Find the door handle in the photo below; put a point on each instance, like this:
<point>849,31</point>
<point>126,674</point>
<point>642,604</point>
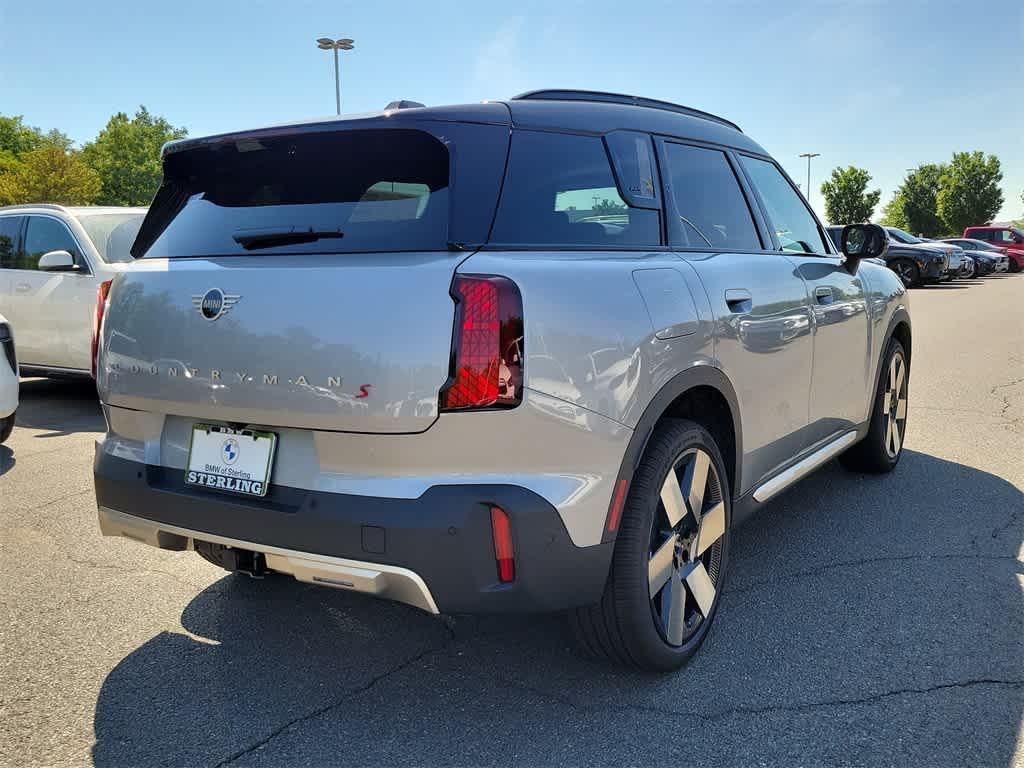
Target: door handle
<point>739,300</point>
<point>23,288</point>
<point>823,294</point>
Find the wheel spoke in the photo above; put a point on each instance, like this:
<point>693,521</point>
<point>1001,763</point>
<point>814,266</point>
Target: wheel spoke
<point>900,374</point>
<point>695,480</point>
<point>672,499</point>
<point>892,375</point>
<point>700,586</point>
<point>674,611</point>
<point>901,408</point>
<point>886,401</point>
<point>892,437</point>
<point>659,567</point>
<point>712,527</point>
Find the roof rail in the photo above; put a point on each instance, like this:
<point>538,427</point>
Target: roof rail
<point>619,98</point>
<point>50,206</point>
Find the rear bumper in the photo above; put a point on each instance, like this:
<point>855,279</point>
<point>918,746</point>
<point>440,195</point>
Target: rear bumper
<point>435,552</point>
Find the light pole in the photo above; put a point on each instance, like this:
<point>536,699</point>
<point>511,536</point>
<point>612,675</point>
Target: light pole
<point>809,155</point>
<point>341,44</point>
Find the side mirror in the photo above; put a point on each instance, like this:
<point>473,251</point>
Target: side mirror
<point>57,261</point>
<point>863,241</point>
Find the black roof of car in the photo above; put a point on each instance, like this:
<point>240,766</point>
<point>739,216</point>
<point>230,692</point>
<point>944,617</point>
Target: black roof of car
<point>591,112</point>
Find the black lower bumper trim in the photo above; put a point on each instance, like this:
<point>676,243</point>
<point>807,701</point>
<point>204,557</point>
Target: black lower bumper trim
<point>444,535</point>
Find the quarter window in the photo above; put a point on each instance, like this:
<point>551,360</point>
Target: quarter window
<point>708,200</point>
<point>560,190</point>
<point>43,235</point>
<point>794,225</point>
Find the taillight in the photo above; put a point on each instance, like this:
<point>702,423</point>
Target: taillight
<point>487,356</point>
<point>102,292</point>
<point>504,554</point>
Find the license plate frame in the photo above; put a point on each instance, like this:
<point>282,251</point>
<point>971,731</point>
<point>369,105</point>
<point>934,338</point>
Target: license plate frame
<point>250,479</point>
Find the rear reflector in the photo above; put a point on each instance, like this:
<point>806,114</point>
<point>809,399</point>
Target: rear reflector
<point>487,359</point>
<point>618,500</point>
<point>504,554</point>
<point>102,292</point>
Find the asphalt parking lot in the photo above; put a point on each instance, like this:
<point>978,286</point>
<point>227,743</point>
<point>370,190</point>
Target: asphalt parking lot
<point>868,620</point>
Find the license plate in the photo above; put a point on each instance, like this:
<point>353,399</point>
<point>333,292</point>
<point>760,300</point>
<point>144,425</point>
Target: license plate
<point>231,460</point>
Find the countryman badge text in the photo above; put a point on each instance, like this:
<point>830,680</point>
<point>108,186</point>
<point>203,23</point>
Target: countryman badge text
<point>242,482</point>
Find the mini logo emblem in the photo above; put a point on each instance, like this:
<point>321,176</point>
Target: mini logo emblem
<point>230,450</point>
<point>215,303</point>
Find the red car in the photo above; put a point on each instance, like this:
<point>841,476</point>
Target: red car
<point>1010,239</point>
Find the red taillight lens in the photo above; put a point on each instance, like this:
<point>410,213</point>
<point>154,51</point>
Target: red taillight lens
<point>97,320</point>
<point>504,554</point>
<point>487,364</point>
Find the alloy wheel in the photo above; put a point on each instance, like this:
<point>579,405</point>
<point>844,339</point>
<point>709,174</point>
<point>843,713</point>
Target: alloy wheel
<point>894,405</point>
<point>686,546</point>
<point>906,273</point>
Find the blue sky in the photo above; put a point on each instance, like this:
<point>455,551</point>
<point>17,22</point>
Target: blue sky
<point>885,86</point>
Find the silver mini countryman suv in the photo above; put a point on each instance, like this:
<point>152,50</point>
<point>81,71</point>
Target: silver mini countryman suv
<point>533,355</point>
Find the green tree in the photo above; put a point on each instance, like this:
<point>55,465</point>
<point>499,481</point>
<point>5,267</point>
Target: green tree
<point>914,206</point>
<point>16,138</point>
<point>126,155</point>
<point>847,200</point>
<point>52,173</point>
<point>969,190</point>
<point>892,213</point>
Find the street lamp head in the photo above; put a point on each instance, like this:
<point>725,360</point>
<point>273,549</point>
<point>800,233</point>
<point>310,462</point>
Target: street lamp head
<point>342,44</point>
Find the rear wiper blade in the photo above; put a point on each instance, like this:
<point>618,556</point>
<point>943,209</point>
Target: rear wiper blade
<point>273,236</point>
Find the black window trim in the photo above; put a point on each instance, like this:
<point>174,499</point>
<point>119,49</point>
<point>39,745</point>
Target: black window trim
<point>81,258</point>
<point>822,234</point>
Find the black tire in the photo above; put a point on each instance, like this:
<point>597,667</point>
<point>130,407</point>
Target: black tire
<point>629,626</point>
<point>874,453</point>
<point>1014,266</point>
<point>7,426</point>
<point>907,271</point>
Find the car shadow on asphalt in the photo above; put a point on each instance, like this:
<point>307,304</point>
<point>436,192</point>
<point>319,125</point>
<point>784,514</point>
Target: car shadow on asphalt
<point>59,406</point>
<point>867,620</point>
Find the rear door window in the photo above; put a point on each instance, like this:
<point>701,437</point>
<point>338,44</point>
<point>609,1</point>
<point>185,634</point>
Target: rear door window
<point>712,210</point>
<point>794,225</point>
<point>560,190</point>
<point>330,192</point>
<point>10,227</point>
<point>43,235</point>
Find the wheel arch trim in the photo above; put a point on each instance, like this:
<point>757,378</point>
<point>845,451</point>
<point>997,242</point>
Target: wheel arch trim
<point>704,375</point>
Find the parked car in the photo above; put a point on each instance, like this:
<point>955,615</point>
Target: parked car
<point>916,265</point>
<point>52,259</point>
<point>353,258</point>
<point>1010,238</point>
<point>988,258</point>
<point>967,266</point>
<point>8,380</point>
<point>954,255</point>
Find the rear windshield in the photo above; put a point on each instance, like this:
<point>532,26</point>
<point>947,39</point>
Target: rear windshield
<point>351,191</point>
<point>112,234</point>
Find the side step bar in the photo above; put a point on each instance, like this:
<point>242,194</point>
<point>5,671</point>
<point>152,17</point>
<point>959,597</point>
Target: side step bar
<point>387,581</point>
<point>804,467</point>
